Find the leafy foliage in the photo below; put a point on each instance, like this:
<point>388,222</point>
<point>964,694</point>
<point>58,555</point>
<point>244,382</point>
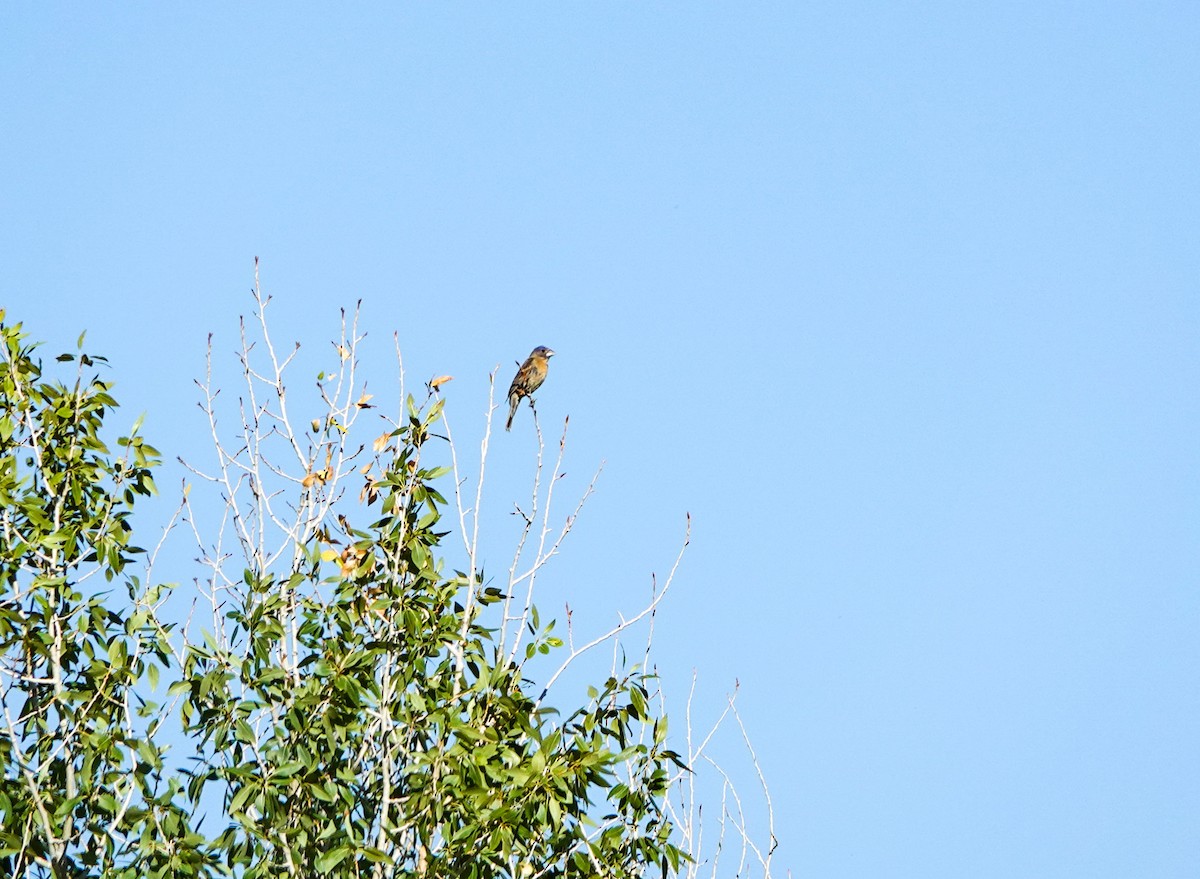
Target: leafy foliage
<point>352,710</point>
<point>83,790</point>
<point>361,719</point>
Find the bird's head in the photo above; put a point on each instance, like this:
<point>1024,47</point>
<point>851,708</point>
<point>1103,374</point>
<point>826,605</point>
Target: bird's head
<point>543,351</point>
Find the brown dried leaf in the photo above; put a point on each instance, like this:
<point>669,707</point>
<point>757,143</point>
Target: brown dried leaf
<point>351,558</point>
<point>317,477</point>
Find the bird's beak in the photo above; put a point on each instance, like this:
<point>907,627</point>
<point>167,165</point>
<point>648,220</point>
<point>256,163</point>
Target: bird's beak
<point>549,352</point>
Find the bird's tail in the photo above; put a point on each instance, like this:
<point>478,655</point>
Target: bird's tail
<point>512,410</point>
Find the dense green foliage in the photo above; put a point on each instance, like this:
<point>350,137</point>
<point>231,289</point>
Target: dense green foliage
<point>83,791</point>
<point>352,714</point>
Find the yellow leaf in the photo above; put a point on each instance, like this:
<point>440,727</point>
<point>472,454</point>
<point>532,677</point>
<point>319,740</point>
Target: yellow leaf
<point>343,351</point>
<point>381,442</point>
<point>362,401</point>
<point>440,380</point>
<point>329,555</point>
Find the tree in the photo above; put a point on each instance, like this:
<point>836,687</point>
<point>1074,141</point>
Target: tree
<point>83,786</point>
<point>357,706</point>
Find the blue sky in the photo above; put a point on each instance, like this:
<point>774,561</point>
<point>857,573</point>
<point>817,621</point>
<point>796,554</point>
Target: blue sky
<point>898,301</point>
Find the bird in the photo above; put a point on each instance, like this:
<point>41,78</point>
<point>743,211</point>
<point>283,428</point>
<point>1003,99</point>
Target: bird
<point>527,380</point>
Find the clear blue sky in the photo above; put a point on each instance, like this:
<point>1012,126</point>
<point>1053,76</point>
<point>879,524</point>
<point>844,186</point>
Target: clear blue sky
<point>898,300</point>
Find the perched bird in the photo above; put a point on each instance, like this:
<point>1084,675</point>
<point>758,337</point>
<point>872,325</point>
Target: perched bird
<point>528,379</point>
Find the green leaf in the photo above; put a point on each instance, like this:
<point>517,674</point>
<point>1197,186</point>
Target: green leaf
<point>326,861</point>
<point>375,855</point>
